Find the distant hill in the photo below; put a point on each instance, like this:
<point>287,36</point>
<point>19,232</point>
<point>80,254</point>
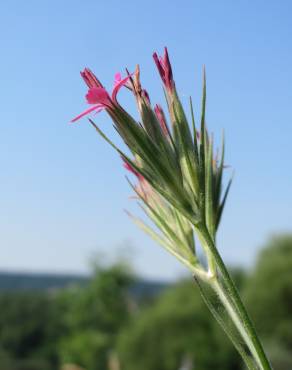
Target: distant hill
<point>14,282</point>
<point>146,289</point>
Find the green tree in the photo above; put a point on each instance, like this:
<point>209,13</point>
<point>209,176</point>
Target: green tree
<point>93,315</point>
<point>176,328</point>
<point>268,294</point>
<point>27,334</point>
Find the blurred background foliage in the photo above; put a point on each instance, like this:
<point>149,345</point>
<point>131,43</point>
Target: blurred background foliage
<point>112,322</point>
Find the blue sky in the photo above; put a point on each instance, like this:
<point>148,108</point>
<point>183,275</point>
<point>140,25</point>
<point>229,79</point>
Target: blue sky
<point>63,191</point>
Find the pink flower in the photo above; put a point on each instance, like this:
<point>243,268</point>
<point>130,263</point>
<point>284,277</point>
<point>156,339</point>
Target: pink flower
<point>143,188</point>
<point>90,79</point>
<point>164,69</point>
<point>97,94</point>
<point>95,108</point>
<point>118,83</point>
<point>118,78</point>
<point>161,118</point>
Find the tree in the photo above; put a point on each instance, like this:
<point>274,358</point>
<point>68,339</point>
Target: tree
<point>177,328</point>
<point>93,315</point>
<point>268,295</point>
<point>27,335</point>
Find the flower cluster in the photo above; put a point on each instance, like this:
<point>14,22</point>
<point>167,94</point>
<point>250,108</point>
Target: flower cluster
<point>179,184</point>
<point>179,179</point>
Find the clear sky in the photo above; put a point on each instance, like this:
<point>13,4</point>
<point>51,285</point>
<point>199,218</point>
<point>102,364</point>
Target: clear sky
<point>63,191</point>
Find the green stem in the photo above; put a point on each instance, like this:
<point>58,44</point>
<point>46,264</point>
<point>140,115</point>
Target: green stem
<point>230,298</point>
<point>233,314</point>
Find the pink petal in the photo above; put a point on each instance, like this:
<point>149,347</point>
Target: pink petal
<point>98,95</point>
<point>164,69</point>
<point>159,66</point>
<point>90,79</point>
<point>97,107</point>
<point>118,85</point>
<point>118,78</point>
<point>162,62</point>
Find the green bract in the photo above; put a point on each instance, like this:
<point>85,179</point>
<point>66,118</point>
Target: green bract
<point>184,179</point>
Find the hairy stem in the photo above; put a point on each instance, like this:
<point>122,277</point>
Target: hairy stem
<point>229,297</point>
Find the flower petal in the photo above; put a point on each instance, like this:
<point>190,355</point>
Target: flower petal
<point>97,108</point>
<point>118,78</point>
<point>164,69</point>
<point>118,84</point>
<point>98,95</point>
<point>90,79</point>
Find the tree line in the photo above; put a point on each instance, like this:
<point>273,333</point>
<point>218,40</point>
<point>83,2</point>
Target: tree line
<point>101,325</point>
